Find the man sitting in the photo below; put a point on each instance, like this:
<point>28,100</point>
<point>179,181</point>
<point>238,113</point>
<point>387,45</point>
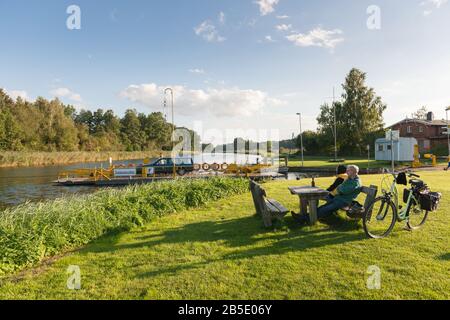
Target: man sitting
<point>346,193</point>
<point>340,179</point>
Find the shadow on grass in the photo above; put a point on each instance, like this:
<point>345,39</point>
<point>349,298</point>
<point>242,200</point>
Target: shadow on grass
<point>445,256</point>
<point>242,238</point>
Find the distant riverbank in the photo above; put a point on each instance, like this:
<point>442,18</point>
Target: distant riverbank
<point>35,159</point>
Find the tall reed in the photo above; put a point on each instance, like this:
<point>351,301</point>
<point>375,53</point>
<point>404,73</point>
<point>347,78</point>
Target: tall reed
<point>32,158</point>
<point>33,231</point>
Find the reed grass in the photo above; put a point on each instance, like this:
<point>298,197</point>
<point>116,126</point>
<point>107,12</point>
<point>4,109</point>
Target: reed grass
<point>34,158</point>
<point>33,231</point>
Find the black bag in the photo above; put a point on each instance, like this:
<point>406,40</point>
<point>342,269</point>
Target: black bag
<point>401,179</point>
<point>356,210</point>
<point>429,201</point>
<point>406,195</point>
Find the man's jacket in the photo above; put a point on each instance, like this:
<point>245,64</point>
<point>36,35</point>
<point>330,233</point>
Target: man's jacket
<point>339,180</point>
<point>349,190</point>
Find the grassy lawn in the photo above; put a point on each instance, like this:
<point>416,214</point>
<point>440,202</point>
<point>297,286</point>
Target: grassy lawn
<point>222,251</point>
<point>324,162</point>
<point>363,163</point>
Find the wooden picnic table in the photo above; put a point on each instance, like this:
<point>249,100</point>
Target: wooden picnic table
<point>311,196</point>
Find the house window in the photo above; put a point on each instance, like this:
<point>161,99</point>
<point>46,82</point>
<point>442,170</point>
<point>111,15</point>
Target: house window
<point>409,129</point>
<point>389,147</point>
<point>380,148</point>
<point>421,129</point>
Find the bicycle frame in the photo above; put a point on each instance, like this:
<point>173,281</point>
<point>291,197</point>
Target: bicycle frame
<point>402,214</point>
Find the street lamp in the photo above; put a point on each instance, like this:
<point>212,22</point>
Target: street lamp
<point>173,127</point>
<point>334,129</point>
<point>301,138</point>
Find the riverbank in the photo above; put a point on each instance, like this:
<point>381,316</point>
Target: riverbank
<point>222,251</point>
<point>32,232</point>
<point>36,159</point>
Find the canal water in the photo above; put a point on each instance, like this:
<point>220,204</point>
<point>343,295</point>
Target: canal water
<point>19,185</point>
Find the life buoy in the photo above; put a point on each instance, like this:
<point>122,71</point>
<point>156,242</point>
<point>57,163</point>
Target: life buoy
<point>206,166</point>
<point>224,166</point>
<point>215,167</point>
<point>197,167</point>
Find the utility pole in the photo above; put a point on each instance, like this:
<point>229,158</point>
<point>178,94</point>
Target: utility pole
<point>448,132</point>
<point>335,126</point>
<point>301,138</point>
<point>173,130</point>
<point>392,151</point>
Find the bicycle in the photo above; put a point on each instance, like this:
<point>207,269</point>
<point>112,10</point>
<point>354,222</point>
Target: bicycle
<point>385,211</point>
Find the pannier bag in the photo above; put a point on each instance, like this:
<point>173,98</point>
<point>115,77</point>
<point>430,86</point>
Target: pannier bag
<point>429,201</point>
<point>405,195</point>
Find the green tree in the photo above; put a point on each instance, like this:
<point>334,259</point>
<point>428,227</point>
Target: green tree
<point>359,116</point>
<point>10,133</point>
<point>132,135</point>
<point>421,114</point>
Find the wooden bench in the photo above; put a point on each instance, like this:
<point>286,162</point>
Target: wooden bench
<point>371,193</point>
<point>268,209</point>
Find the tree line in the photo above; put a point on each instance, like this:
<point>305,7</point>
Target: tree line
<point>359,121</point>
<point>45,125</point>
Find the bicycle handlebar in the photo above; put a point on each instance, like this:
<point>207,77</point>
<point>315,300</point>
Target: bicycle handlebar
<point>408,172</point>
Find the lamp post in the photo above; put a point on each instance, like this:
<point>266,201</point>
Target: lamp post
<point>173,127</point>
<point>301,138</point>
<point>334,129</point>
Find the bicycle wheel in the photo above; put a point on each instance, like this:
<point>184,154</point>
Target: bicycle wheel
<point>417,217</point>
<point>380,218</point>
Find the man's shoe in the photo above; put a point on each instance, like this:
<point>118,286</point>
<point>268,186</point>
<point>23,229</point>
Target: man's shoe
<point>300,218</point>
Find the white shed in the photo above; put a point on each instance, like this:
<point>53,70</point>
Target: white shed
<point>403,149</point>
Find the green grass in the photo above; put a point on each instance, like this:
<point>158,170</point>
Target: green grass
<point>222,251</point>
<point>363,163</point>
<point>324,162</point>
<point>31,232</point>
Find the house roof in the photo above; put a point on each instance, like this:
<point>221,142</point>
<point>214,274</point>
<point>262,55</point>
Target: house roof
<point>424,122</point>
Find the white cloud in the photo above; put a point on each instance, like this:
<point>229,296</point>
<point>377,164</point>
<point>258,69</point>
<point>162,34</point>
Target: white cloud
<point>431,5</point>
<point>66,93</point>
<point>209,32</point>
<point>222,18</point>
<point>14,94</point>
<point>267,6</point>
<point>197,71</point>
<point>283,17</point>
<point>224,102</point>
<point>435,3</point>
<point>317,38</point>
<point>267,39</point>
<point>284,27</point>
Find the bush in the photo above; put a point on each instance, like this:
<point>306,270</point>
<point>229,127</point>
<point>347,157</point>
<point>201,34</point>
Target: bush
<point>33,231</point>
<point>440,150</point>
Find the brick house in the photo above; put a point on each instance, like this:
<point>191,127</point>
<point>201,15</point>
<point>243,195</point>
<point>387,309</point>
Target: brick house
<point>429,133</point>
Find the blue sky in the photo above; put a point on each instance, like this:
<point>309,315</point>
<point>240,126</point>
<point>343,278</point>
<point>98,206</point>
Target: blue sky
<point>234,64</point>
